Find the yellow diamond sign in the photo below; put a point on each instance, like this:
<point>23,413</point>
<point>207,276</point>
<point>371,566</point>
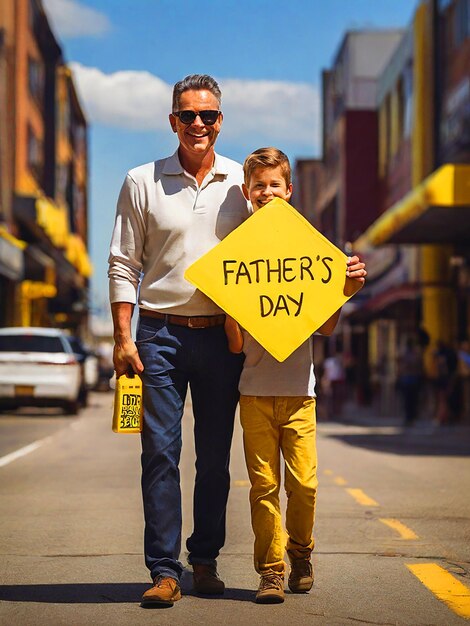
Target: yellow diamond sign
<point>276,275</point>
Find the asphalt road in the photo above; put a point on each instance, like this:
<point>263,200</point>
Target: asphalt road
<point>392,529</point>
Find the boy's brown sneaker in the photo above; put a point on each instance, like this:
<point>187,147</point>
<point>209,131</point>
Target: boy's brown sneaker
<point>206,580</point>
<point>301,575</point>
<point>271,589</point>
<point>165,592</point>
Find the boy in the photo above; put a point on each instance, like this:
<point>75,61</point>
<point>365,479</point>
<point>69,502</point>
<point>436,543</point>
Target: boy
<point>277,413</point>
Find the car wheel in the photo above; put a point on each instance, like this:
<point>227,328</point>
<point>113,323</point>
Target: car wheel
<point>72,407</point>
<point>83,397</point>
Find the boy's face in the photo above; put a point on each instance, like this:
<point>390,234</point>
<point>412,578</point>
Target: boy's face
<point>265,184</point>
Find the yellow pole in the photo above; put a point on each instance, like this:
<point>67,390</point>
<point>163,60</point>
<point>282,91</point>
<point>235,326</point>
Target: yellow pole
<point>439,306</point>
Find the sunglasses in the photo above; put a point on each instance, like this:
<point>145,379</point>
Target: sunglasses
<point>209,118</point>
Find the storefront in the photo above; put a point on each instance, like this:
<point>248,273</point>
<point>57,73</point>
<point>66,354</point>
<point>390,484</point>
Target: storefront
<point>11,273</point>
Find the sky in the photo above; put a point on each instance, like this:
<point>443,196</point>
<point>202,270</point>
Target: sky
<point>267,56</point>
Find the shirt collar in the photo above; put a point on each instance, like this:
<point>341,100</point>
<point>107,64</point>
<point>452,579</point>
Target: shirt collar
<point>173,166</point>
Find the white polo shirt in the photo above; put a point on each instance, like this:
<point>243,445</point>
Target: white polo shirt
<point>165,222</point>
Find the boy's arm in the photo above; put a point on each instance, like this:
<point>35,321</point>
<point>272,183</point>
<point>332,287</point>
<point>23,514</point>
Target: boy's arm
<point>234,335</point>
<point>355,278</point>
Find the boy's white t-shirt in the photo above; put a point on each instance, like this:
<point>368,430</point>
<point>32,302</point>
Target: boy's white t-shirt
<point>263,375</point>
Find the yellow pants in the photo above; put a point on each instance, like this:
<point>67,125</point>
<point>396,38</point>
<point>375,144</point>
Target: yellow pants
<point>272,425</point>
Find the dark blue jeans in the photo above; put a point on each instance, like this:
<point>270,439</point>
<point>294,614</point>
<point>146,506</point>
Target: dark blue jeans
<point>173,357</point>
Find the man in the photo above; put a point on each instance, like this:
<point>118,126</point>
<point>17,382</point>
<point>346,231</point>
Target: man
<point>171,212</point>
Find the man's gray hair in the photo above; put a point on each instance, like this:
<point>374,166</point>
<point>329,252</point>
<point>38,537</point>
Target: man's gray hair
<point>196,82</point>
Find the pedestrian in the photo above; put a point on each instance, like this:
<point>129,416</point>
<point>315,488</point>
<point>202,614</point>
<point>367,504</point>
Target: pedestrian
<point>410,376</point>
<point>333,385</point>
<point>169,213</point>
<point>277,413</point>
<point>448,393</point>
<point>464,377</point>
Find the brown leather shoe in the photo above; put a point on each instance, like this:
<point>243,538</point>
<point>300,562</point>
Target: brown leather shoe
<point>301,575</point>
<point>271,589</point>
<point>165,592</point>
<point>206,580</point>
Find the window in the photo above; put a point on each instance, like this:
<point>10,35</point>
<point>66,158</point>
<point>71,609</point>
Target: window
<point>407,100</point>
<point>62,180</point>
<point>30,343</point>
<point>34,15</point>
<point>401,109</point>
<point>395,119</point>
<point>36,80</point>
<point>461,22</point>
<point>64,116</point>
<point>79,143</point>
<point>384,136</point>
<point>35,154</point>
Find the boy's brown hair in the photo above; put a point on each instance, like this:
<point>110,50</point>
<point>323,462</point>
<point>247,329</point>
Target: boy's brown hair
<point>267,157</point>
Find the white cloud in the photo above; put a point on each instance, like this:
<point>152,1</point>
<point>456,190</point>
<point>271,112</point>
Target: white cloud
<point>70,18</point>
<point>254,111</point>
<point>272,109</point>
<point>126,99</point>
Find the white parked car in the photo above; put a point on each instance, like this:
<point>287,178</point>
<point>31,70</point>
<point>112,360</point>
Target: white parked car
<point>88,362</point>
<point>38,368</point>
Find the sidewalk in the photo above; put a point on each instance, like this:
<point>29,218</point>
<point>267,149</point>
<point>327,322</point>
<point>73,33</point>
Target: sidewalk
<point>367,428</point>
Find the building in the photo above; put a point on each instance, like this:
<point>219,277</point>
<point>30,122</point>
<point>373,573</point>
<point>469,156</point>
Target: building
<point>307,178</point>
<point>11,249</point>
<point>424,169</point>
<point>347,199</point>
<point>393,187</point>
<point>43,172</point>
<point>342,191</point>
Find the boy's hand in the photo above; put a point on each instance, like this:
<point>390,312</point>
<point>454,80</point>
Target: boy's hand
<point>355,276</point>
<point>234,335</point>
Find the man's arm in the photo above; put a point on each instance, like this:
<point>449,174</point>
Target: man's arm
<point>125,267</point>
<point>125,351</point>
<point>355,278</point>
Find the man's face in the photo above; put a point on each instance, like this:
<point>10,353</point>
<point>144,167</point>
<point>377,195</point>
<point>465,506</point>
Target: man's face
<point>196,139</point>
<point>265,184</point>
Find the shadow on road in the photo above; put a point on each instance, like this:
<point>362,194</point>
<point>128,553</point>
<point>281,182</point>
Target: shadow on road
<point>440,442</point>
<point>76,593</point>
<point>99,593</point>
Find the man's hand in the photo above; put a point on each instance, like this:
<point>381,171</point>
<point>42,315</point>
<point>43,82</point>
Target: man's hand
<point>125,356</point>
<point>355,276</point>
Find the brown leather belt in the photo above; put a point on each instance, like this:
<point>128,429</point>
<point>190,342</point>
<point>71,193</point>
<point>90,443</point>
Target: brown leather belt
<point>195,321</point>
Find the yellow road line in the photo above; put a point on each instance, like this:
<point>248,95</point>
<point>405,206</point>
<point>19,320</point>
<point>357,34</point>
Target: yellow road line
<point>241,483</point>
<point>444,586</point>
<point>328,472</point>
<point>361,497</point>
<point>402,530</point>
<point>339,480</point>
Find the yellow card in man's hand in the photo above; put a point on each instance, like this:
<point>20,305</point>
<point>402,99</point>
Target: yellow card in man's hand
<point>276,275</point>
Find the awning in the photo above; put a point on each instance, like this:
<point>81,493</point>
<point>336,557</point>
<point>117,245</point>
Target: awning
<point>11,255</point>
<point>33,290</point>
<point>53,219</point>
<point>437,211</point>
<point>49,222</point>
<point>76,253</point>
<point>391,296</point>
<point>39,266</point>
